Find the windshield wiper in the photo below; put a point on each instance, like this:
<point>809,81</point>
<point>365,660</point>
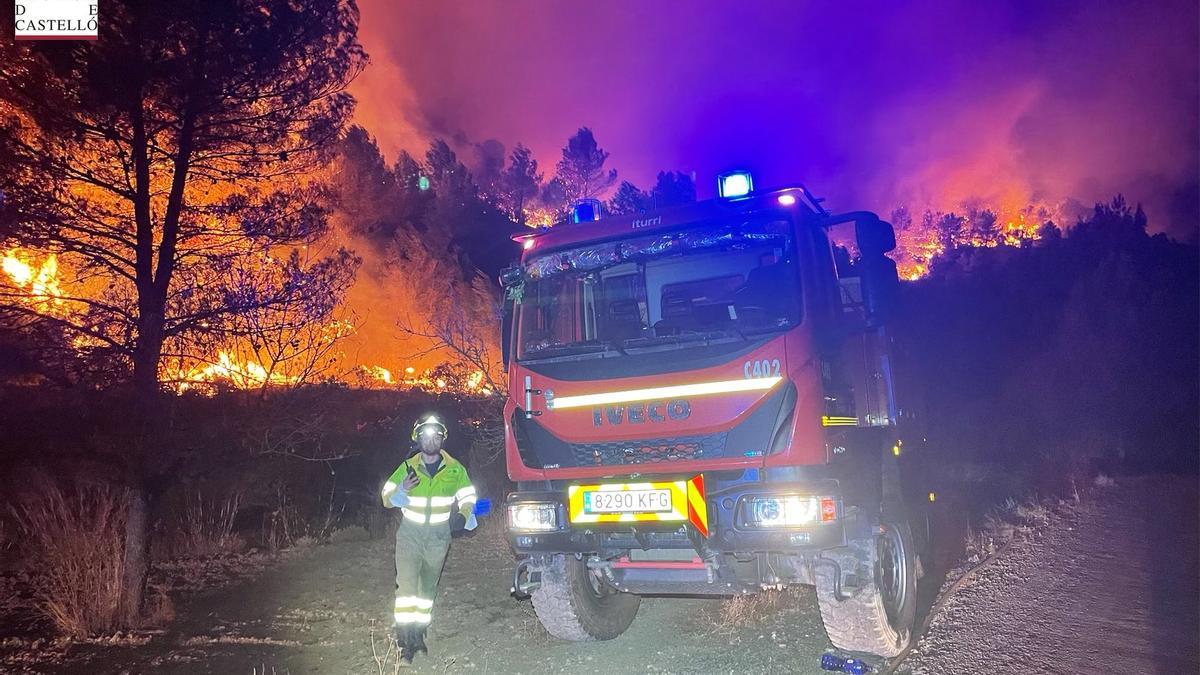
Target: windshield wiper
<point>687,335</point>
<point>693,335</point>
<point>618,345</point>
<point>585,347</point>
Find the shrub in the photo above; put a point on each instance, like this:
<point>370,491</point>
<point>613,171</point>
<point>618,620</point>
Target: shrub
<point>76,539</point>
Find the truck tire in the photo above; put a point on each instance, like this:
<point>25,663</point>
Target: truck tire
<point>573,603</point>
<point>878,618</point>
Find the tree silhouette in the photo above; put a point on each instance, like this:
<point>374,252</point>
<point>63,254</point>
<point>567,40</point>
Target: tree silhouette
<point>164,162</point>
<point>628,199</point>
<point>672,188</point>
<point>519,184</point>
<point>580,172</point>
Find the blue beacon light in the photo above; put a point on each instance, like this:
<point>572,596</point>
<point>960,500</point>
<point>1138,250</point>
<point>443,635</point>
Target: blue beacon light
<point>586,211</point>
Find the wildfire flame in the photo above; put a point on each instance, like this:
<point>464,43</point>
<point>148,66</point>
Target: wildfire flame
<point>539,217</point>
<point>247,375</point>
<point>380,374</point>
<point>39,282</point>
<point>918,245</point>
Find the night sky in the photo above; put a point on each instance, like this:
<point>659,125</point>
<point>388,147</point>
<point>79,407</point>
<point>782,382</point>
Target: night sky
<point>924,104</point>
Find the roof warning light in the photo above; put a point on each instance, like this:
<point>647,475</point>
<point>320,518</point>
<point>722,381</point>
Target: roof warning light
<point>586,211</point>
<point>735,184</point>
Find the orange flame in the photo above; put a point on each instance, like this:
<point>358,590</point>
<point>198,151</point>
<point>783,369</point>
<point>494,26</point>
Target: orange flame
<point>38,281</point>
<point>247,375</point>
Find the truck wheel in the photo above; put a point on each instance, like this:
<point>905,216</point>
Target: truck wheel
<point>878,618</point>
<point>575,603</point>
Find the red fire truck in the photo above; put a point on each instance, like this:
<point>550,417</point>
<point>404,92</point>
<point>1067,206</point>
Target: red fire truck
<point>701,402</point>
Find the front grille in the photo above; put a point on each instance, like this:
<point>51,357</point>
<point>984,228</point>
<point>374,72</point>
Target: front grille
<point>650,539</point>
<point>650,451</point>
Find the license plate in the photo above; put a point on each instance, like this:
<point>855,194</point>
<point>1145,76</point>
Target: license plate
<point>670,501</point>
<point>627,501</point>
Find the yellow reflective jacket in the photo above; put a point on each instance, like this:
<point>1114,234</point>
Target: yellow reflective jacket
<point>433,498</point>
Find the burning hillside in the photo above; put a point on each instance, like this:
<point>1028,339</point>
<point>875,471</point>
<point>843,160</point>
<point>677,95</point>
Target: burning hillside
<point>39,285</point>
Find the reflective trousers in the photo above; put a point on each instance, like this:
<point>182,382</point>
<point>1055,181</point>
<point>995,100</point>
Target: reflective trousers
<point>420,554</point>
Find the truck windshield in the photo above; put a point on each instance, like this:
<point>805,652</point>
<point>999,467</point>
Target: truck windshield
<point>720,281</point>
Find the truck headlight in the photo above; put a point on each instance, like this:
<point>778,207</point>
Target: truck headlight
<point>533,516</point>
<point>774,511</point>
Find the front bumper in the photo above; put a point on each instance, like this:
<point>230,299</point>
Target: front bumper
<point>725,535</point>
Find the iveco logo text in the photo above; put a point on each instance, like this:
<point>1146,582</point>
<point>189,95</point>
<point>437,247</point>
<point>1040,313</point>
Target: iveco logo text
<point>639,413</point>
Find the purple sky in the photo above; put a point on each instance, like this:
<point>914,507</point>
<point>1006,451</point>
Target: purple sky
<point>921,104</point>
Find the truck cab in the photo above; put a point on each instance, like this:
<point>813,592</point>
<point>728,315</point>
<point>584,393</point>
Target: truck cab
<point>701,402</point>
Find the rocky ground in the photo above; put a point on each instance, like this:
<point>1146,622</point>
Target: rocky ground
<point>1109,586</point>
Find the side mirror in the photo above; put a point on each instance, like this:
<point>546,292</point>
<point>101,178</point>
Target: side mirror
<point>511,276</point>
<point>881,287</point>
<point>875,237</point>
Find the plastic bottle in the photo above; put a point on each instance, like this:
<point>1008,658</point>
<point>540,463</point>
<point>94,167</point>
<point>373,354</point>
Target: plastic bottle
<point>843,664</point>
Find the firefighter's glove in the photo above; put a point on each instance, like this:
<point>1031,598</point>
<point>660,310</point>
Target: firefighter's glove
<point>458,522</point>
<point>399,498</point>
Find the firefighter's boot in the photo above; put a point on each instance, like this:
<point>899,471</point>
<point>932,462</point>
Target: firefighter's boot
<point>418,640</point>
<point>402,635</point>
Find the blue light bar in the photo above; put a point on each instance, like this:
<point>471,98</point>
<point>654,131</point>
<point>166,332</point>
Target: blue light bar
<point>735,184</point>
<point>586,211</point>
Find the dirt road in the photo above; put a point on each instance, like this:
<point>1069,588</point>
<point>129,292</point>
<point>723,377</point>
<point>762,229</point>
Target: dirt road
<point>319,613</point>
<point>1110,588</point>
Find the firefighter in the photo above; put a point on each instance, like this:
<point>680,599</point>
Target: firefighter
<point>435,496</point>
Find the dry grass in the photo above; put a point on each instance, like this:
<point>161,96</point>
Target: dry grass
<point>203,528</point>
<point>384,652</point>
<point>1003,523</point>
<point>207,526</point>
<point>76,539</point>
<point>749,609</point>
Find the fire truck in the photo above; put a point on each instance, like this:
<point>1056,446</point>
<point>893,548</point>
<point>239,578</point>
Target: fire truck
<point>701,402</point>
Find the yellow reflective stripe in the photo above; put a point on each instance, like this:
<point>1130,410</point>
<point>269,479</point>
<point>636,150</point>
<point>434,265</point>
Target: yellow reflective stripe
<point>439,517</point>
<point>462,494</point>
<point>838,421</point>
<point>414,516</point>
<point>412,617</point>
<point>388,488</point>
